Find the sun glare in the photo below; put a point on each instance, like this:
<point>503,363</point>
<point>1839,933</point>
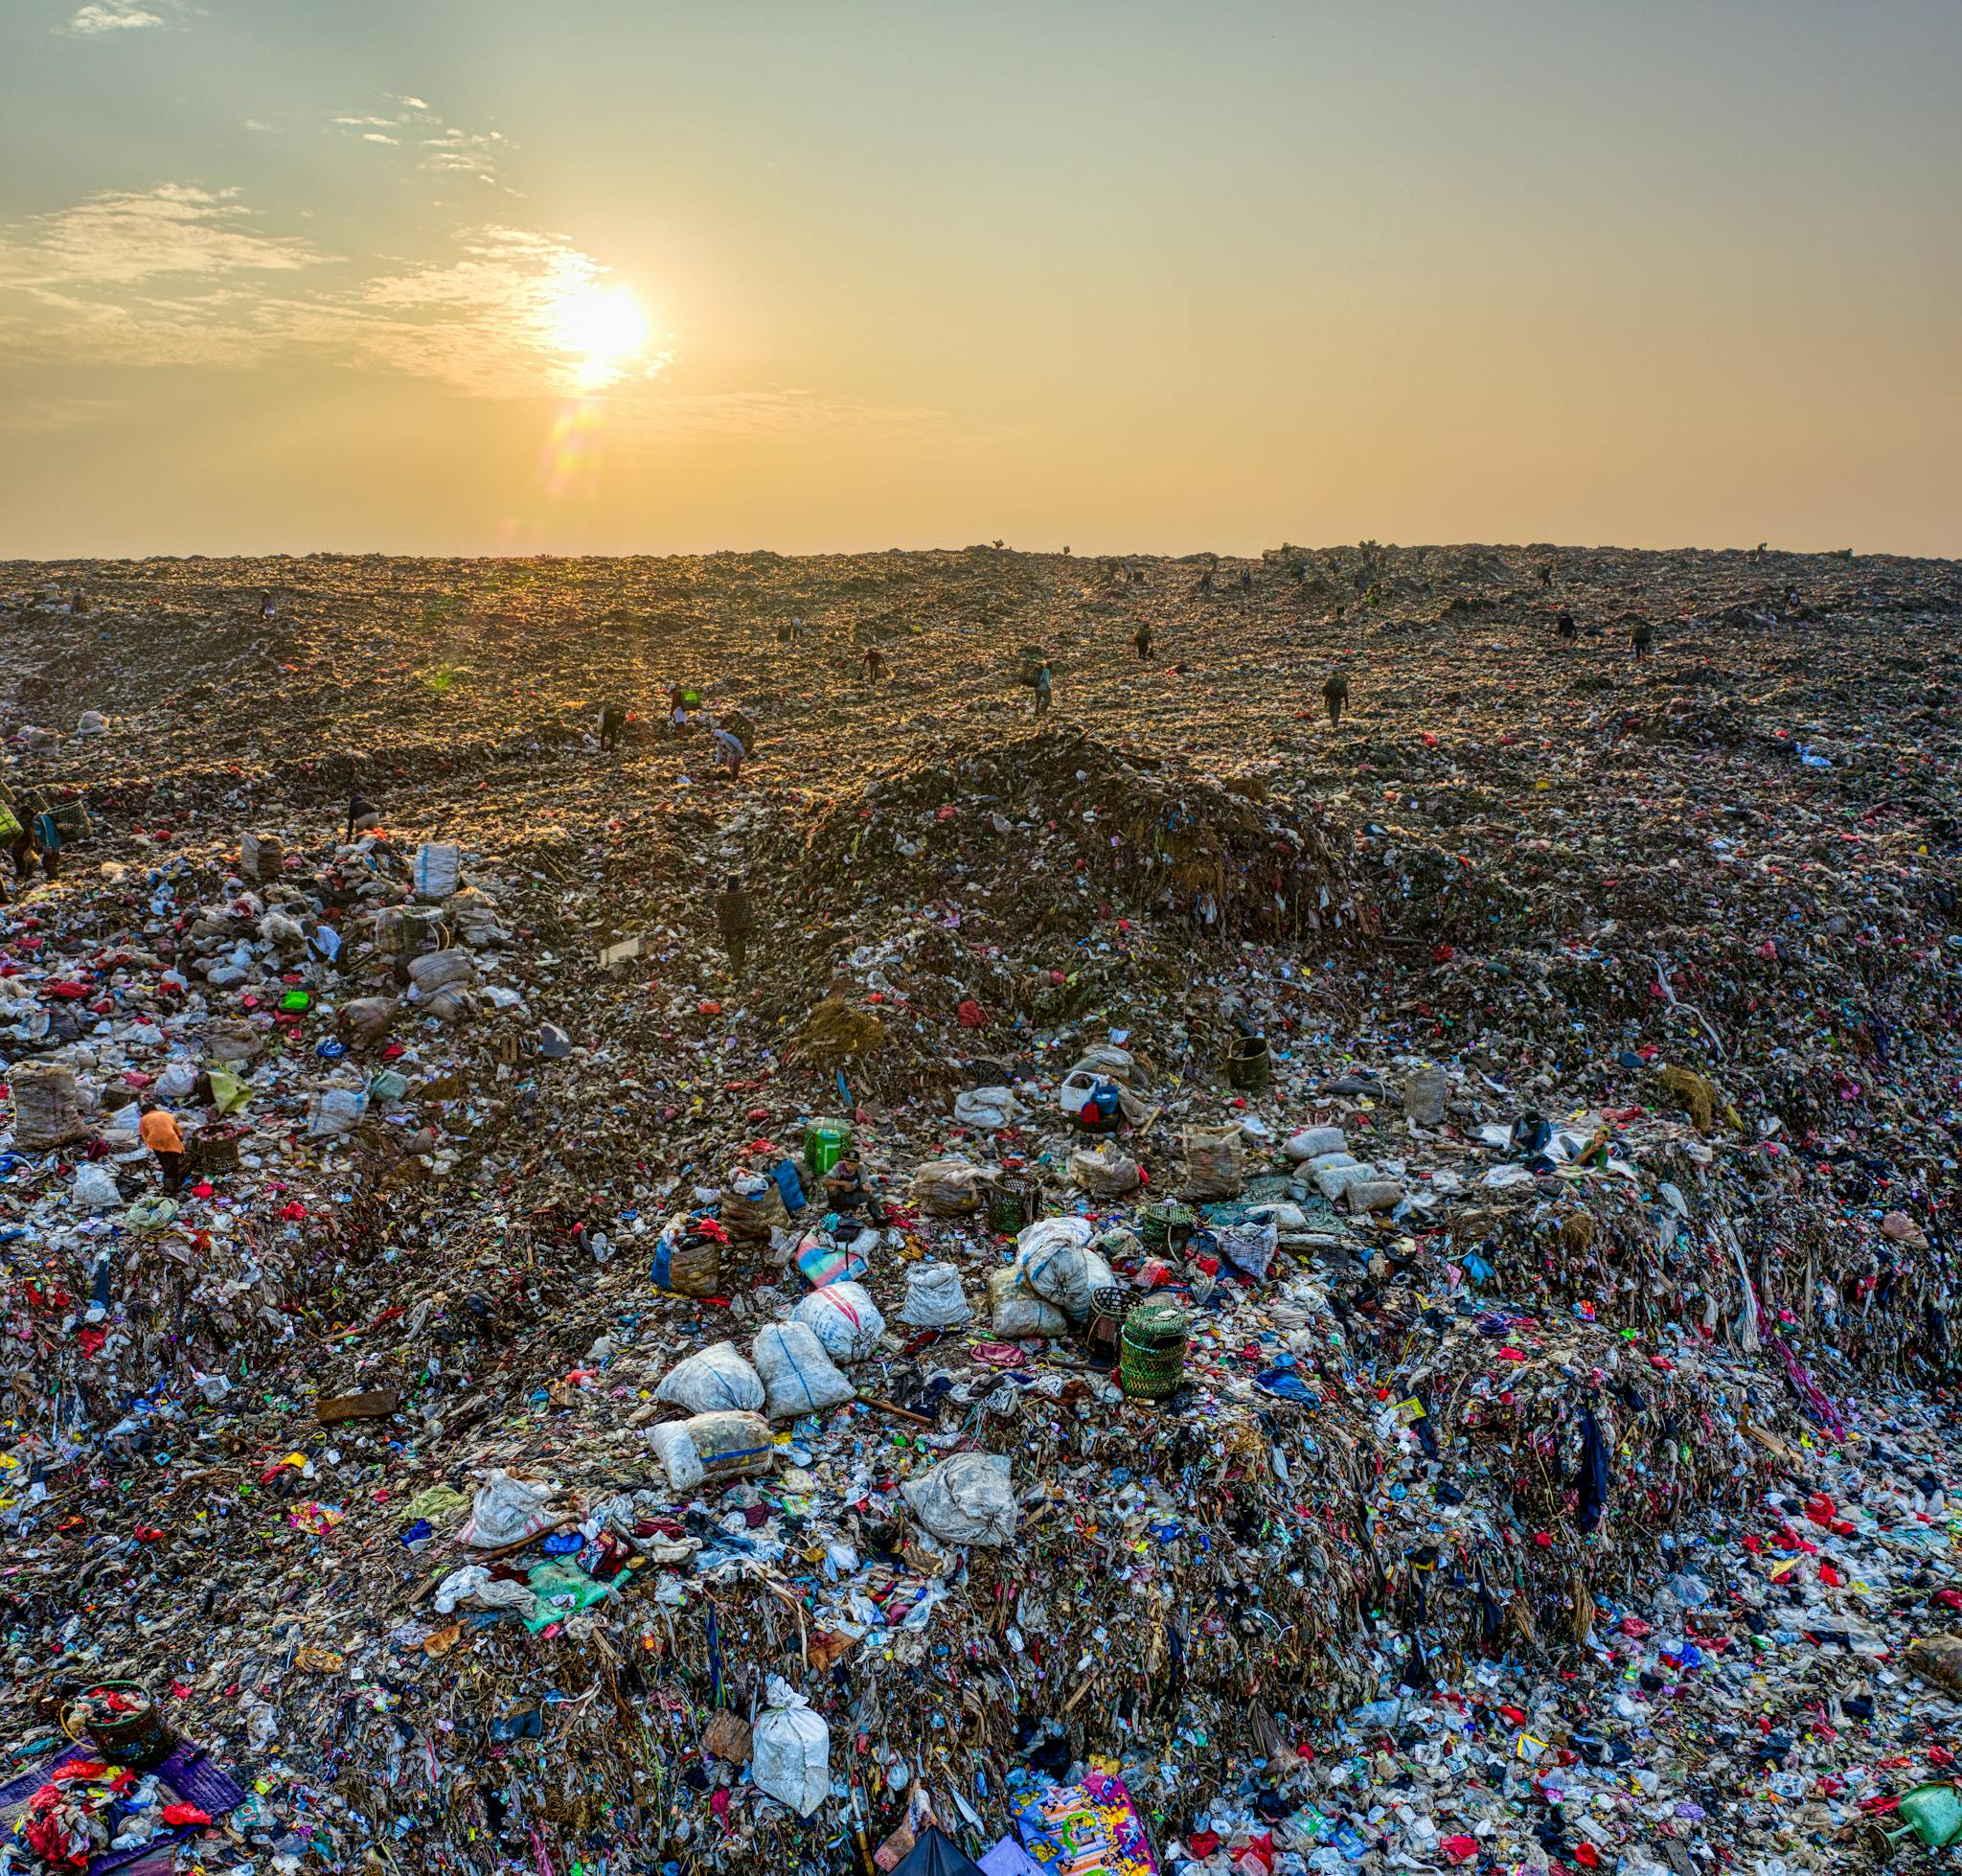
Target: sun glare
<point>602,328</point>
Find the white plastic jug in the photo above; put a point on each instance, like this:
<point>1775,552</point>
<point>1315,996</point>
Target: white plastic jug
<point>1078,1087</point>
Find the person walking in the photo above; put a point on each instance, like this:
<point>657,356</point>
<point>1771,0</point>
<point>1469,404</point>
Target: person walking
<point>1335,695</point>
<point>159,1131</point>
<point>1141,639</point>
<point>736,920</point>
<point>1045,686</point>
<point>1641,638</point>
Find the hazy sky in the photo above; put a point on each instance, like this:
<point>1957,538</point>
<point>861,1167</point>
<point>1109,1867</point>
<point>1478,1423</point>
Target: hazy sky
<point>632,275</point>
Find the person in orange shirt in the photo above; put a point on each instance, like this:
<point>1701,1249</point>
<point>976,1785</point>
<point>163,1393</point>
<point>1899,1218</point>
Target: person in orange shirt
<point>160,1134</point>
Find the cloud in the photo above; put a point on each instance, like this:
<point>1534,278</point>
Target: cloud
<point>165,276</point>
<point>104,16</point>
<point>458,151</point>
<point>122,237</point>
<point>447,149</point>
<point>184,275</point>
<point>491,323</point>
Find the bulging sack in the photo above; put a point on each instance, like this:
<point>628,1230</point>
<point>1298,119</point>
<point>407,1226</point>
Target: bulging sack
<point>965,1500</point>
<point>934,1297</point>
<point>1311,1142</point>
<point>844,1318</point>
<point>677,1452</point>
<point>1054,1260</point>
<point>366,1018</point>
<point>715,1380</point>
<point>229,1040</point>
<point>1016,1313</point>
<point>797,1374</point>
<point>1105,1171</point>
<point>750,1217</point>
<point>686,1266</point>
<point>1215,1162</point>
<point>438,870</point>
<point>731,1445</point>
<point>436,971</point>
<point>947,1187</point>
<point>46,1113</point>
<point>790,1750</point>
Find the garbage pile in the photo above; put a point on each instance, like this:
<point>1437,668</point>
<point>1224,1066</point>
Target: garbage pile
<point>1215,1294</point>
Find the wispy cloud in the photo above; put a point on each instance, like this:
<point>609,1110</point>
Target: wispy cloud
<point>124,236</point>
<point>442,148</point>
<point>180,274</point>
<point>494,322</point>
<point>456,151</point>
<point>160,276</point>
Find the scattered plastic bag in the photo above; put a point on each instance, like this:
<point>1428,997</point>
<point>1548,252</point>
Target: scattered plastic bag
<point>335,1112</point>
<point>474,1585</point>
<point>988,1109</point>
<point>1250,1248</point>
<point>965,1500</point>
<point>95,1189</point>
<point>508,1510</point>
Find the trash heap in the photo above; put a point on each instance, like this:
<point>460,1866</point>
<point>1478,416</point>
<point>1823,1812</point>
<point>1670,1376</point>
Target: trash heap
<point>1222,1296</point>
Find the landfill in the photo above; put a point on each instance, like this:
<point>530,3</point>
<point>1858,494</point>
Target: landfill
<point>1329,1245</point>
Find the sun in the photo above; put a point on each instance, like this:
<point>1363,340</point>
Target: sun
<point>603,327</point>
